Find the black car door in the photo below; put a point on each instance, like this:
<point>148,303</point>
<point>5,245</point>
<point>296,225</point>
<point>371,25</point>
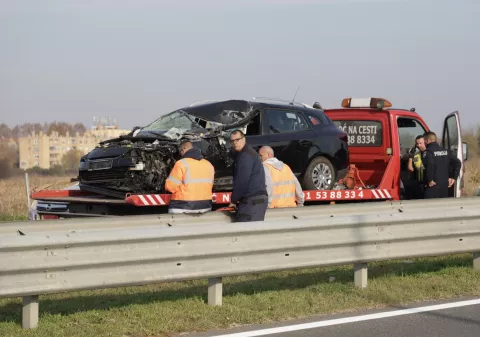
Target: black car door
<point>257,133</point>
<point>256,137</point>
<point>291,137</point>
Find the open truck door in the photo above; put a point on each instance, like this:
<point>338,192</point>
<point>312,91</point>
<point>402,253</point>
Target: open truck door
<point>452,140</point>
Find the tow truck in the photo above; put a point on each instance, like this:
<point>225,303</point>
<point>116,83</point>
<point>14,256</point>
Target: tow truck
<point>379,140</point>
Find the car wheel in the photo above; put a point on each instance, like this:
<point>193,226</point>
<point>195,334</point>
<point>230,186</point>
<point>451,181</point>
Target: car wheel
<point>320,175</point>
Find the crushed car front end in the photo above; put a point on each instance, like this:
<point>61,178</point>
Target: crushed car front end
<point>125,166</point>
<point>139,162</point>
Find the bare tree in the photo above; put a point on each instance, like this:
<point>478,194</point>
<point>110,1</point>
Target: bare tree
<point>71,160</point>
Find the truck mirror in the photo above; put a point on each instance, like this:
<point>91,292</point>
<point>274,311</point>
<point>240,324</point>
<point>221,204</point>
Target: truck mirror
<point>465,151</point>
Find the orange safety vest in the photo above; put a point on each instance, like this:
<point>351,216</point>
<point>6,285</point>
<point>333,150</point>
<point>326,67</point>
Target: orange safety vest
<point>191,180</point>
<point>283,192</point>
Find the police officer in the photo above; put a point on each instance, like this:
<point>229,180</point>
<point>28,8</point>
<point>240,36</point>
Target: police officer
<point>438,162</point>
<point>249,195</point>
<point>283,187</point>
<point>415,166</point>
<point>190,182</point>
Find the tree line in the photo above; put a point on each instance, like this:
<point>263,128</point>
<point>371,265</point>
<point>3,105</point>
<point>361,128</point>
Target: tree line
<point>26,129</point>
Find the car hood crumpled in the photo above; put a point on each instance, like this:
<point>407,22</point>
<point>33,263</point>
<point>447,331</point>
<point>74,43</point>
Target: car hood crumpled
<point>228,113</point>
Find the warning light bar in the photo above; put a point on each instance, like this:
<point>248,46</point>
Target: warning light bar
<point>371,102</point>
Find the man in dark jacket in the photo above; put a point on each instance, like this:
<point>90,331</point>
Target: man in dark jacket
<point>442,168</point>
<point>249,193</point>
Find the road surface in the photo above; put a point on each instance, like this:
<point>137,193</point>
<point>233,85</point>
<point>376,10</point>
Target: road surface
<point>439,319</point>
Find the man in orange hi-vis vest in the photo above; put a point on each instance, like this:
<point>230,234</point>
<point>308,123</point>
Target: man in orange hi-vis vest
<point>283,187</point>
<point>190,182</point>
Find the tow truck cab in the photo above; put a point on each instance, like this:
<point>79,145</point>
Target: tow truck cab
<point>380,137</point>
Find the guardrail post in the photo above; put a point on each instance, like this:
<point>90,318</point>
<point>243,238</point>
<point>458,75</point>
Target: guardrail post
<point>476,260</point>
<point>360,275</point>
<point>30,312</point>
<point>215,291</point>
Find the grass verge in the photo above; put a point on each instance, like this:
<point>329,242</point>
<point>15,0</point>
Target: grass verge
<point>166,309</point>
<point>13,194</point>
<point>4,217</point>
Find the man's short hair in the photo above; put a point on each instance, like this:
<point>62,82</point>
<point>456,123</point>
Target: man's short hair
<point>238,132</point>
<point>187,144</point>
<point>430,136</point>
<point>419,137</point>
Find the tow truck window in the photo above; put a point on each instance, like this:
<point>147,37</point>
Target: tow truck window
<point>408,129</point>
<point>282,121</point>
<point>361,133</point>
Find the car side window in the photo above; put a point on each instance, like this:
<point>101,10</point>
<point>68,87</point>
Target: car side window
<point>314,120</point>
<point>281,121</point>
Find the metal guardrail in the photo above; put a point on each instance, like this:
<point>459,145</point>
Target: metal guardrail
<point>297,214</point>
<point>64,260</point>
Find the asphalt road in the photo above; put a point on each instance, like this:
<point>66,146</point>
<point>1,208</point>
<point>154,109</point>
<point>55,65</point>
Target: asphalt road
<point>437,319</point>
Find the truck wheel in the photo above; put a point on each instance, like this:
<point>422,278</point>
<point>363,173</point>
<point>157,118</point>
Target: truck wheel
<point>320,175</point>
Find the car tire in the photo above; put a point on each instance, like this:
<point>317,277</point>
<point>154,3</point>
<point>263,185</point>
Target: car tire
<point>320,175</point>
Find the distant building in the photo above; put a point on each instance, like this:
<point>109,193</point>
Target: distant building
<point>46,151</point>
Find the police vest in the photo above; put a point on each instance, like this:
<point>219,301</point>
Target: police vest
<point>418,165</point>
<point>191,180</point>
<point>283,191</point>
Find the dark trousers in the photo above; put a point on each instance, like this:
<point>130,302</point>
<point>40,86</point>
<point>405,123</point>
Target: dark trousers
<point>437,191</point>
<point>413,189</point>
<point>417,190</point>
<point>252,209</point>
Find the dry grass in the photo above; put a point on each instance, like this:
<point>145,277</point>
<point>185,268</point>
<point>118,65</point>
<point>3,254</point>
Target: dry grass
<point>13,193</point>
<point>472,176</point>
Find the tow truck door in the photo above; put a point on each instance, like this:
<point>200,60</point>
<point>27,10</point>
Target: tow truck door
<point>452,140</point>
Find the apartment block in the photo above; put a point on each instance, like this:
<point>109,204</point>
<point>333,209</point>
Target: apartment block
<point>45,151</point>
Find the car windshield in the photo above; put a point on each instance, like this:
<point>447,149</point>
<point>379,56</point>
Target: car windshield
<point>178,119</point>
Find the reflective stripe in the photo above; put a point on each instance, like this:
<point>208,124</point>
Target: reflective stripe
<point>181,210</point>
<point>284,182</point>
<point>187,169</point>
<point>200,180</point>
<point>174,180</point>
<point>283,193</point>
<point>192,188</point>
<point>282,196</point>
<point>189,180</point>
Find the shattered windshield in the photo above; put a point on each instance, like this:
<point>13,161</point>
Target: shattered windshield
<point>178,119</point>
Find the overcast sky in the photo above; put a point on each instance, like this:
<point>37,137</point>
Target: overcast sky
<point>136,60</point>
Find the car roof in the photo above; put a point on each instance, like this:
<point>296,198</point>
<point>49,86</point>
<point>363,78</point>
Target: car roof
<point>261,102</point>
<point>283,106</point>
<point>217,110</point>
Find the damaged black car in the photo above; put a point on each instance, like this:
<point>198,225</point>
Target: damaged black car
<point>138,163</point>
